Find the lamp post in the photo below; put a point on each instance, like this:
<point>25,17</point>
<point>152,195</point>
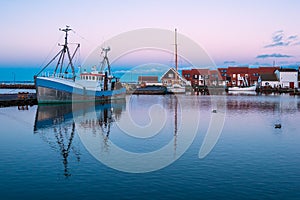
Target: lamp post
<point>14,77</point>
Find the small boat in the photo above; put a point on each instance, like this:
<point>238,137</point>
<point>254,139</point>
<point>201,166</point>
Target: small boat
<point>176,89</point>
<point>246,88</point>
<point>244,92</point>
<point>63,86</point>
<point>151,90</point>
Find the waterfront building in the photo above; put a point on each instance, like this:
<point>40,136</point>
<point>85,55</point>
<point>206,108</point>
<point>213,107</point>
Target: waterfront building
<point>269,80</point>
<point>171,77</point>
<point>148,80</point>
<point>203,77</point>
<point>238,76</point>
<point>299,77</point>
<point>216,79</point>
<point>288,78</point>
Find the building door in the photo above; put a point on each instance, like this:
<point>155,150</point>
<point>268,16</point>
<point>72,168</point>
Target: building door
<point>292,85</point>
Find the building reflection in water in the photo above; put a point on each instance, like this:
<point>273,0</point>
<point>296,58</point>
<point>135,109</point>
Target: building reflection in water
<point>278,104</point>
<point>61,126</point>
<point>56,126</point>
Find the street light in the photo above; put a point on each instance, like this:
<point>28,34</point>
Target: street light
<point>14,75</point>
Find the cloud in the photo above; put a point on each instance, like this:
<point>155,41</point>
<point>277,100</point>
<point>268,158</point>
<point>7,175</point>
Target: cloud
<point>292,37</point>
<point>277,44</point>
<point>279,39</point>
<point>229,62</point>
<point>274,55</point>
<point>297,43</point>
<point>277,36</point>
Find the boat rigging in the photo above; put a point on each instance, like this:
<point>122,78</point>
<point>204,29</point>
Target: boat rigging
<point>58,72</point>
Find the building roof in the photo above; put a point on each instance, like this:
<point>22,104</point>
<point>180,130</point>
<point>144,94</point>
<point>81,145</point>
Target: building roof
<point>268,77</point>
<point>201,71</point>
<point>287,70</point>
<point>148,79</point>
<point>238,68</point>
<point>267,70</point>
<point>175,72</point>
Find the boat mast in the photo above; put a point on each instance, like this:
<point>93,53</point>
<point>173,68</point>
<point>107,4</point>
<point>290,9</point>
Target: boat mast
<point>61,54</point>
<point>176,61</point>
<point>105,61</point>
<point>64,51</point>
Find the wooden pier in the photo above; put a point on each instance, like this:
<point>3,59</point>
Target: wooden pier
<point>17,86</point>
<point>19,99</point>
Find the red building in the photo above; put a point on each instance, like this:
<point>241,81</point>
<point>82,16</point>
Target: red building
<point>203,77</point>
<point>238,76</point>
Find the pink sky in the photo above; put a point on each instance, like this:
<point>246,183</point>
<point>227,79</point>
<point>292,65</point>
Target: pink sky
<point>242,32</point>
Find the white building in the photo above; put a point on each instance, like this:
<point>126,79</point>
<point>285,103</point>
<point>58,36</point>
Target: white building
<point>269,80</point>
<point>288,78</point>
<point>172,77</point>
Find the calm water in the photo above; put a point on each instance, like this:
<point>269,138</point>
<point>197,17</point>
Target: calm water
<point>147,147</point>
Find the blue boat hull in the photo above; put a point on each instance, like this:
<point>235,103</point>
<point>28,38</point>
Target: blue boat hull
<point>53,91</point>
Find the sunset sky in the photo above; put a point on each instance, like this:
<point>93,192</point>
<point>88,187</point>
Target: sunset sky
<point>231,32</point>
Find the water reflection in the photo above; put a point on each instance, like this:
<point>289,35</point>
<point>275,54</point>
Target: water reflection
<point>281,104</point>
<point>99,127</point>
<point>56,126</point>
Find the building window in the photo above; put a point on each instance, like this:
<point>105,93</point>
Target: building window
<point>195,76</point>
<point>234,75</point>
<point>170,75</point>
<point>246,75</point>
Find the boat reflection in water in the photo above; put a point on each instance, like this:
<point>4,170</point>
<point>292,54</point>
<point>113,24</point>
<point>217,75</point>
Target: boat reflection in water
<point>57,125</point>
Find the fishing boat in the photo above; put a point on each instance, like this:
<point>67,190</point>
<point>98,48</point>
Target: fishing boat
<point>63,86</point>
